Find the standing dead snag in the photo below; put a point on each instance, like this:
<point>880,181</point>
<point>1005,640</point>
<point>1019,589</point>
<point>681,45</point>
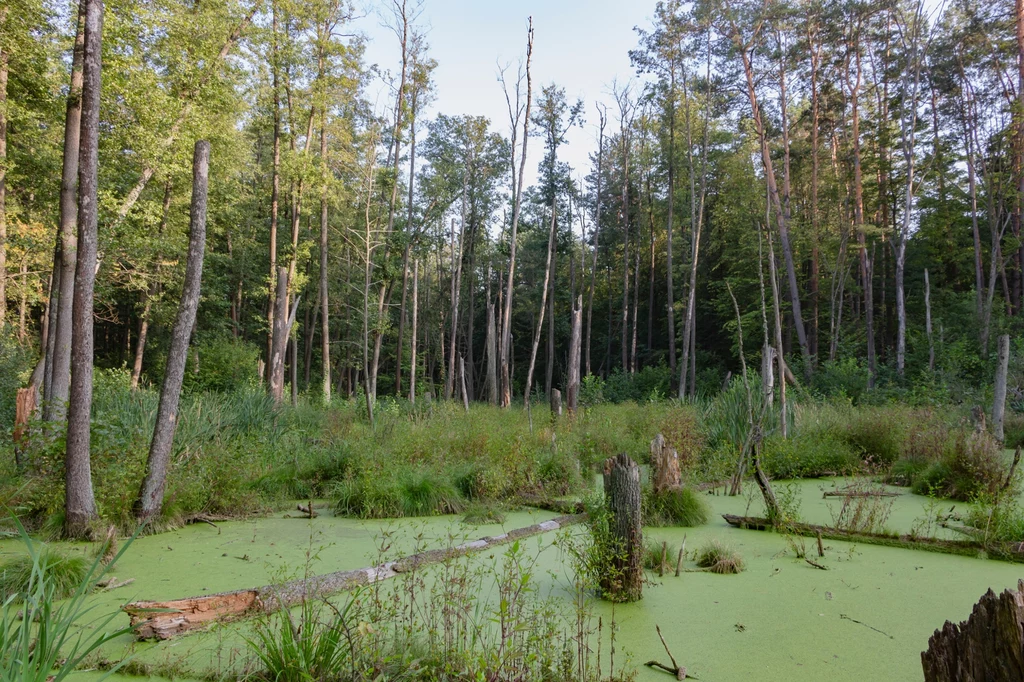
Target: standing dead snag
<point>999,400</point>
<point>987,646</point>
<point>665,474</point>
<point>622,491</point>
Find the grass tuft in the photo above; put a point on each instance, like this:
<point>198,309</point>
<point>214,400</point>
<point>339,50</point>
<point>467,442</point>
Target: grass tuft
<point>683,507</point>
<point>64,574</point>
<point>481,513</point>
<point>715,557</point>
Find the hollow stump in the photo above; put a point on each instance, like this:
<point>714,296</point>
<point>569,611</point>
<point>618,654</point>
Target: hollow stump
<point>622,490</point>
<point>987,647</point>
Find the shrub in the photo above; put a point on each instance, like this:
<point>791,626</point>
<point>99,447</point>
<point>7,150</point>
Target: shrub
<point>808,456</point>
<point>653,553</point>
<point>715,557</point>
<point>973,466</point>
<point>683,507</point>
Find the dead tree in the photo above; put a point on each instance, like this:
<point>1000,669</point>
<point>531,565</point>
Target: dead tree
<point>665,474</point>
<point>572,388</point>
<point>151,495</point>
<point>988,646</point>
<point>624,582</point>
<point>999,400</point>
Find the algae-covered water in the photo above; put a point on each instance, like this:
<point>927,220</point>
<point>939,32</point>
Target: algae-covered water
<point>866,618</point>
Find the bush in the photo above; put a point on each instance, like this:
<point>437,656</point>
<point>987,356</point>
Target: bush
<point>654,551</point>
<point>683,507</point>
<point>63,573</point>
<point>808,456</point>
<point>972,467</point>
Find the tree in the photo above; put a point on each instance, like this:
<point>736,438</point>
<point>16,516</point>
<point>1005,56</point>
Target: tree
<point>79,503</point>
<point>151,495</point>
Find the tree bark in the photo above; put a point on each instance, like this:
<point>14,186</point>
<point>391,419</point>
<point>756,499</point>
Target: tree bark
<point>988,646</point>
<point>79,503</point>
<point>624,582</point>
<point>280,336</point>
<point>572,388</point>
<point>275,198</point>
<point>56,399</point>
<point>928,321</point>
<point>415,329</point>
<point>543,309</point>
<point>597,233</point>
<point>4,60</point>
<point>491,383</point>
<point>325,326</point>
<point>151,495</point>
<point>999,399</point>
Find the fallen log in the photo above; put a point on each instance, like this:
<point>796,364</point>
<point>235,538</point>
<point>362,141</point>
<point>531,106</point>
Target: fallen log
<point>860,493</point>
<point>1007,551</point>
<point>166,619</point>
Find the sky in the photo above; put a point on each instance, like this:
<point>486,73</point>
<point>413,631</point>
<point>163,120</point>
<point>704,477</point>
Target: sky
<point>581,45</point>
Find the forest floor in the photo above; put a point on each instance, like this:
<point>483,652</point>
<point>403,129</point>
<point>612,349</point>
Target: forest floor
<point>868,616</point>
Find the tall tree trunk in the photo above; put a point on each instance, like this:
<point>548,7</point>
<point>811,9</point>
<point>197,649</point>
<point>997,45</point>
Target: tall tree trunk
<point>572,384</point>
<point>543,308</point>
<point>275,198</point>
<point>549,370</point>
<point>780,202</point>
<point>4,60</point>
<point>999,391</point>
<point>325,326</point>
<point>624,134</point>
<point>56,400</point>
<point>415,329</point>
<point>279,336</point>
<point>928,321</point>
<point>670,309</point>
<point>506,316</point>
<point>491,382</point>
<point>405,254</point>
<point>79,503</point>
<point>597,234</point>
<point>151,495</point>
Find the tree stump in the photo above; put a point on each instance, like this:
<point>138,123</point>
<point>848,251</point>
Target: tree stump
<point>665,474</point>
<point>556,403</point>
<point>622,487</point>
<point>987,647</point>
<point>25,405</point>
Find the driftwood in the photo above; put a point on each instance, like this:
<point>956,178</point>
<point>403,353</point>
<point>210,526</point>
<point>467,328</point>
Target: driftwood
<point>860,493</point>
<point>1007,551</point>
<point>676,670</point>
<point>988,646</point>
<point>165,619</point>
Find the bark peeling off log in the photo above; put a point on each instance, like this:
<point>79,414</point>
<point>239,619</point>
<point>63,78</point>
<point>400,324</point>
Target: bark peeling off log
<point>166,619</point>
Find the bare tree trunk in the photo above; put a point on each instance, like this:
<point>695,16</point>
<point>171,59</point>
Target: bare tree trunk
<point>543,308</point>
<point>151,495</point>
<point>79,503</point>
<point>505,356</point>
<point>597,234</point>
<point>636,309</point>
<point>280,336</point>
<point>999,391</point>
<point>415,321</point>
<point>572,388</point>
<point>549,371</point>
<point>449,386</point>
<point>325,326</point>
<point>275,194</point>
<point>4,60</point>
<point>779,356</point>
<point>56,399</point>
<point>405,254</point>
<point>928,321</point>
<point>670,227</point>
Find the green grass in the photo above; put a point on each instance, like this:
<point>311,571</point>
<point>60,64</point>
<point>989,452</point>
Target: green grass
<point>683,507</point>
<point>715,557</point>
<point>63,573</point>
<point>653,551</point>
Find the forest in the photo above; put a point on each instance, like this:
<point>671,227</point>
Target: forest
<point>245,269</point>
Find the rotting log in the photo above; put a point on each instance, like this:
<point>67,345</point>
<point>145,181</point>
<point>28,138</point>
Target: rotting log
<point>166,619</point>
<point>988,646</point>
<point>860,493</point>
<point>1007,551</point>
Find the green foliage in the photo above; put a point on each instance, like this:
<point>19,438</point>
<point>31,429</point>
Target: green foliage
<point>808,455</point>
<point>971,467</point>
<point>716,557</point>
<point>682,507</point>
<point>63,573</point>
<point>481,513</point>
<point>305,647</point>
<point>15,367</point>
<point>41,641</point>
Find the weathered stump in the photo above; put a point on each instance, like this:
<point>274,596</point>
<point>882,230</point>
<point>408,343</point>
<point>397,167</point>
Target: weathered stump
<point>25,405</point>
<point>556,403</point>
<point>622,487</point>
<point>665,474</point>
<point>987,647</point>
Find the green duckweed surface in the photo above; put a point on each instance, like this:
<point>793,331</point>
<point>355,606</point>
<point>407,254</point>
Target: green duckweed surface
<point>868,617</point>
